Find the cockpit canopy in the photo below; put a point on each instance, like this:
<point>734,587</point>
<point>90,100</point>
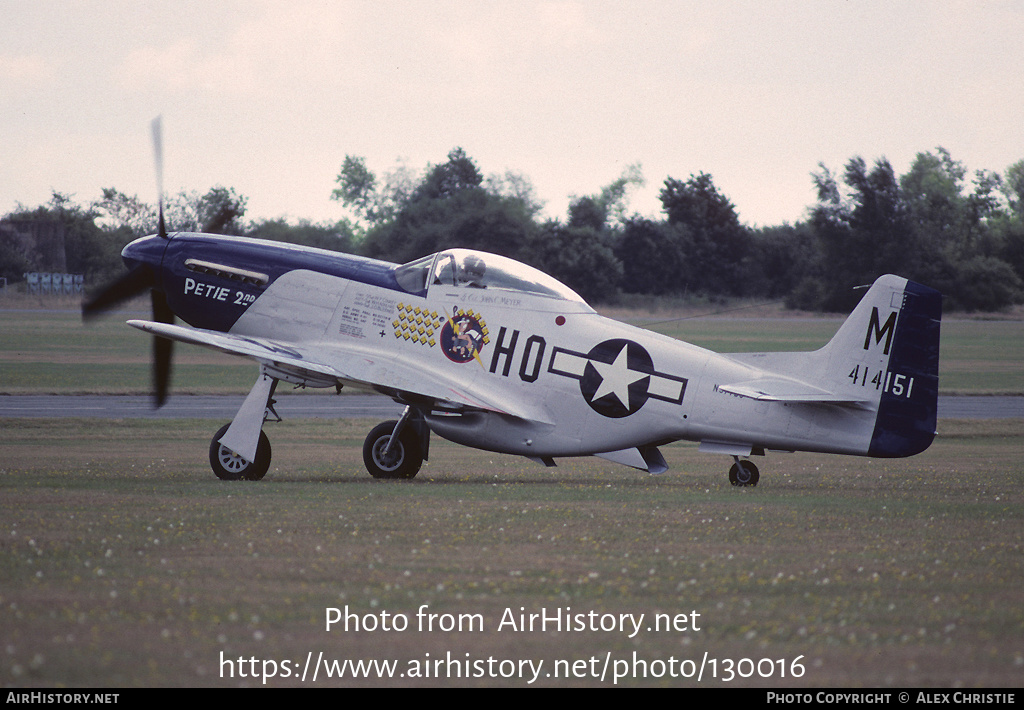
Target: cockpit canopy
<point>466,268</point>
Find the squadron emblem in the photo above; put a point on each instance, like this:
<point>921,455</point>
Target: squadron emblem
<point>463,336</point>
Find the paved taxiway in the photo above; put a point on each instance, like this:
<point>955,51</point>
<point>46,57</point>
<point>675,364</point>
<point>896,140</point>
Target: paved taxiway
<point>326,406</point>
<point>289,406</point>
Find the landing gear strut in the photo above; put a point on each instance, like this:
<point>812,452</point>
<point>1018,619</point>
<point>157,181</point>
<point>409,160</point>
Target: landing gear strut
<point>240,451</point>
<point>743,473</point>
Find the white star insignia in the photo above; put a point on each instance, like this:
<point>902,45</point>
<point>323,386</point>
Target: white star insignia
<point>616,378</point>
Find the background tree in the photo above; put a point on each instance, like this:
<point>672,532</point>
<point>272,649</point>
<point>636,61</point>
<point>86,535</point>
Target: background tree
<point>15,257</point>
<point>450,207</point>
<point>515,186</point>
<point>1013,188</point>
<point>88,249</point>
<point>610,204</point>
<point>116,210</point>
<point>781,258</point>
<point>939,216</point>
<point>357,188</point>
<point>448,179</point>
<point>965,238</point>
<point>578,257</point>
<point>1008,225</point>
<point>335,237</point>
<point>985,283</point>
<point>218,211</point>
<point>582,252</point>
<point>587,213</point>
<point>717,244</point>
<point>862,234</point>
<point>221,211</point>
<point>925,226</point>
<point>654,257</point>
<point>958,245</point>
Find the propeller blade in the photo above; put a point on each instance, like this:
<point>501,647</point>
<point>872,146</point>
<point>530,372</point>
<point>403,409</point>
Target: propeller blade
<point>162,350</point>
<point>131,284</point>
<point>142,278</point>
<point>158,160</point>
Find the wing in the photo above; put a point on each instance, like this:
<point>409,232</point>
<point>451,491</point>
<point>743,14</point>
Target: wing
<point>348,366</point>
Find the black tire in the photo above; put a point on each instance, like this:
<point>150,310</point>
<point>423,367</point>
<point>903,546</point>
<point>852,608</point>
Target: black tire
<point>748,475</point>
<point>229,466</point>
<point>403,460</point>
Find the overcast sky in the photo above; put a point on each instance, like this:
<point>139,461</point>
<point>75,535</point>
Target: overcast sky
<point>269,97</point>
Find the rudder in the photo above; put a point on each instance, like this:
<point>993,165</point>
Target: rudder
<point>907,410</point>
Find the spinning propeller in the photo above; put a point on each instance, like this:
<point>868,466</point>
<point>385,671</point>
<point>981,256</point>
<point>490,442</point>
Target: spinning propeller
<point>143,275</point>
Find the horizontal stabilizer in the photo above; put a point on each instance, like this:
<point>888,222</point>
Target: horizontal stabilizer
<point>780,389</point>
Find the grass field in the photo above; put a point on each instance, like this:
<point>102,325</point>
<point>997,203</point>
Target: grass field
<point>125,563</point>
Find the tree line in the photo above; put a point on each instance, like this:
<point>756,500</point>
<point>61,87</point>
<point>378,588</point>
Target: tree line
<point>933,225</point>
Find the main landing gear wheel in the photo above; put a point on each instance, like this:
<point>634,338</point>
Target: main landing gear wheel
<point>402,459</point>
<point>744,473</point>
<point>229,466</point>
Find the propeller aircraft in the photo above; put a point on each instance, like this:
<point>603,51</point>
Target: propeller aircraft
<point>490,353</point>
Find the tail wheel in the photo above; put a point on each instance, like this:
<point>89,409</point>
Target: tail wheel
<point>744,473</point>
<point>403,457</point>
<point>229,466</point>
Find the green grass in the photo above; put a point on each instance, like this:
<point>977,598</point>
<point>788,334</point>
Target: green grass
<point>43,352</point>
<point>126,563</point>
<point>53,352</point>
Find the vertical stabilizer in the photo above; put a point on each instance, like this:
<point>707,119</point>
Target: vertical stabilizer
<point>887,355</point>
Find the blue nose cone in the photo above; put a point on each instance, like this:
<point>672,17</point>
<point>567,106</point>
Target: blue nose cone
<point>145,250</point>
